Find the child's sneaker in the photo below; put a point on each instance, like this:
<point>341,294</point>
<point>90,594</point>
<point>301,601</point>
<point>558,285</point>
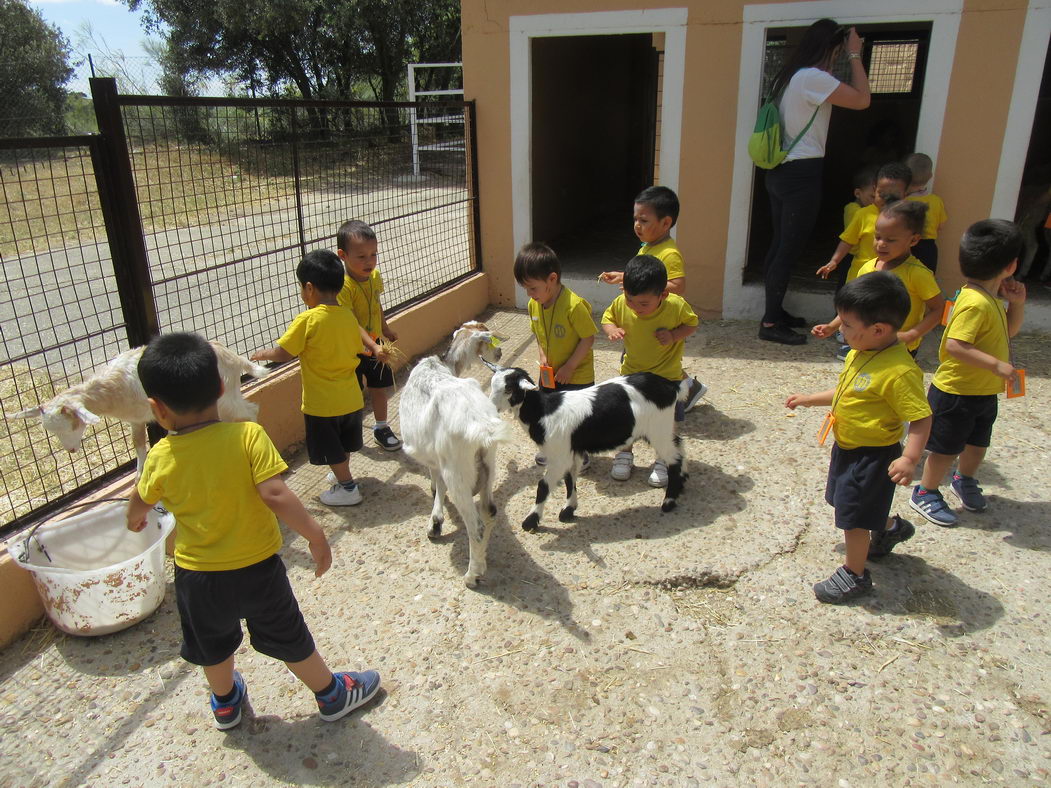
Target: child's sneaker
<point>970,494</point>
<point>841,353</point>
<point>228,715</point>
<point>352,690</point>
<point>623,462</point>
<point>932,506</point>
<point>843,586</point>
<point>883,541</point>
<point>658,474</point>
<point>697,390</point>
<point>386,438</point>
<point>338,495</point>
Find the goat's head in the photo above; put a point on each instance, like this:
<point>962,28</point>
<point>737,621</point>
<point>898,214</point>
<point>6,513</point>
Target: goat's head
<point>65,422</point>
<point>508,387</point>
<point>470,341</point>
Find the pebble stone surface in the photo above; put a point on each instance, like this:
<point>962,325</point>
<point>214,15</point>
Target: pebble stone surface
<point>626,648</point>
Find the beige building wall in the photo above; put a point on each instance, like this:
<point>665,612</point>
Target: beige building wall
<point>971,134</point>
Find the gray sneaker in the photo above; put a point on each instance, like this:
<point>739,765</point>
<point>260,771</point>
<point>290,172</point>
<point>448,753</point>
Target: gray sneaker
<point>843,586</point>
<point>697,391</point>
<point>884,541</point>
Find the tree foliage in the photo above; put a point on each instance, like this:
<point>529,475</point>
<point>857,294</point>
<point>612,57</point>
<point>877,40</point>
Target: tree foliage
<point>321,49</point>
<point>34,69</point>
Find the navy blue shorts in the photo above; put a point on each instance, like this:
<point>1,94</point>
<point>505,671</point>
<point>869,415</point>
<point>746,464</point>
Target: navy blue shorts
<point>926,251</point>
<point>375,374</point>
<point>859,487</point>
<point>960,420</point>
<point>212,604</point>
<point>330,438</point>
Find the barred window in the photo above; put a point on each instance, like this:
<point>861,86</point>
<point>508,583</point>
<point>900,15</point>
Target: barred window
<point>892,66</point>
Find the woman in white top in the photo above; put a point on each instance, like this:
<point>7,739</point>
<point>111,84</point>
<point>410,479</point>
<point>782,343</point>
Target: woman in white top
<point>807,90</point>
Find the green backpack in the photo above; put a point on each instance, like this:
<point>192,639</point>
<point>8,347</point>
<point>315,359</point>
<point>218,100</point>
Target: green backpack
<point>764,146</point>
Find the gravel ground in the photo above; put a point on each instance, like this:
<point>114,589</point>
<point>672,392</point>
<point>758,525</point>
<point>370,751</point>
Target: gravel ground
<point>625,648</point>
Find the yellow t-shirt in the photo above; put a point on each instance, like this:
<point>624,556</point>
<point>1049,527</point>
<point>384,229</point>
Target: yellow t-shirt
<point>327,341</point>
<point>849,210</point>
<point>559,330</point>
<point>668,253</point>
<point>364,299</point>
<point>878,391</point>
<point>861,234</point>
<point>207,479</point>
<point>642,351</point>
<point>936,215</point>
<point>981,320</point>
<point>920,283</point>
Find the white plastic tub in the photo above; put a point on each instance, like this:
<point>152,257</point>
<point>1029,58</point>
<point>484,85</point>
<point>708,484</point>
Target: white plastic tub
<point>93,574</point>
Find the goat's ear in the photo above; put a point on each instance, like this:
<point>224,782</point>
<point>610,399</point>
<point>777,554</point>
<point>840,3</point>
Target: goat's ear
<point>81,413</point>
<point>527,385</point>
<point>28,413</point>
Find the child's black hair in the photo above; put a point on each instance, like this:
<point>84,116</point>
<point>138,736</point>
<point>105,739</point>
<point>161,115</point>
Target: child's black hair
<point>910,213</point>
<point>879,297</point>
<point>988,247</point>
<point>921,167</point>
<point>354,230</point>
<point>663,201</point>
<point>866,176</point>
<point>536,261</point>
<point>182,371</point>
<point>895,171</point>
<point>323,269</point>
<point>645,275</point>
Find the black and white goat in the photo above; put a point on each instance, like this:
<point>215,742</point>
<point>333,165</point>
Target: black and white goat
<point>611,415</point>
<point>451,427</point>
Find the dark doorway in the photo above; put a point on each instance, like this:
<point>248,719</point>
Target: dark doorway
<point>594,120</point>
<point>895,57</point>
<point>1034,197</point>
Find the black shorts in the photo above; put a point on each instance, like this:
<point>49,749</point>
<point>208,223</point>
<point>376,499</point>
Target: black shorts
<point>960,420</point>
<point>374,373</point>
<point>212,604</point>
<point>330,438</point>
<point>926,251</point>
<point>859,487</point>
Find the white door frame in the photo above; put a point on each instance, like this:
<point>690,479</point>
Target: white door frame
<point>1031,56</point>
<point>522,29</point>
<point>745,301</point>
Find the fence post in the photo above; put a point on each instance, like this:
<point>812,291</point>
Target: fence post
<point>298,183</point>
<point>120,210</point>
<point>470,111</point>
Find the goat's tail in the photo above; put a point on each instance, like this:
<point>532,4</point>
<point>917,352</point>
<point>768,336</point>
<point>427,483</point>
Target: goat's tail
<point>240,363</point>
<point>489,432</point>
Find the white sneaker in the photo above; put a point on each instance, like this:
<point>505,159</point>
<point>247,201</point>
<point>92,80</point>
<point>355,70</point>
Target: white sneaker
<point>330,479</point>
<point>338,495</point>
<point>623,462</point>
<point>658,474</point>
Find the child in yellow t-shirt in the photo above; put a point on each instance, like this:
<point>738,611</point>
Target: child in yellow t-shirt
<point>898,229</point>
<point>975,355</point>
<point>891,182</point>
<point>655,212</point>
<point>922,168</point>
<point>222,481</point>
<point>327,341</point>
<point>561,322</point>
<point>879,390</point>
<point>864,195</point>
<point>357,247</point>
<point>654,325</point>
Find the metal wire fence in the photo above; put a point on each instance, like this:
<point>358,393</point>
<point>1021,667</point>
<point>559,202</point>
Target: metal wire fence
<point>221,199</point>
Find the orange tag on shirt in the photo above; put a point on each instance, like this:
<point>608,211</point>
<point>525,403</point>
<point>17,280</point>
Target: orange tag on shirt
<point>1015,387</point>
<point>547,376</point>
<point>826,428</point>
<point>947,312</point>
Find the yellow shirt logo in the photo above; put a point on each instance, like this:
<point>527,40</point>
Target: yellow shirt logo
<point>862,381</point>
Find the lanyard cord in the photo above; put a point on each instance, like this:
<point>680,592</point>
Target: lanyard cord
<point>1003,315</point>
<point>368,324</point>
<point>840,390</point>
<point>547,329</point>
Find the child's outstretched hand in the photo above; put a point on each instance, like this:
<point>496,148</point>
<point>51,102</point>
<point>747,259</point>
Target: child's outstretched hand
<point>613,333</point>
<point>796,400</point>
<point>1013,291</point>
<point>823,330</point>
<point>827,269</point>
<point>902,471</point>
<point>611,277</point>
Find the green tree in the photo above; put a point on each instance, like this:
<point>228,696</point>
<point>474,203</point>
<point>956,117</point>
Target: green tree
<point>33,71</point>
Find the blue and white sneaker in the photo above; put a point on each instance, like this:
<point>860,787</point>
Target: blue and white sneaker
<point>352,690</point>
<point>228,715</point>
<point>970,494</point>
<point>932,506</point>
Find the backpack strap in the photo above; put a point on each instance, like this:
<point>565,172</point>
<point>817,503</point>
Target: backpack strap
<point>806,128</point>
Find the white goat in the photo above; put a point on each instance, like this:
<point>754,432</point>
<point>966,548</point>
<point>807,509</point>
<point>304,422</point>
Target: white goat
<point>612,415</point>
<point>450,426</point>
<point>115,391</point>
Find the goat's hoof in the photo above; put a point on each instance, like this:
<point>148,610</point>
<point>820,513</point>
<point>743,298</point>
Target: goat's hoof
<point>471,581</point>
<point>436,528</point>
<point>567,514</point>
<point>531,523</point>
<point>668,505</point>
<point>492,510</point>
